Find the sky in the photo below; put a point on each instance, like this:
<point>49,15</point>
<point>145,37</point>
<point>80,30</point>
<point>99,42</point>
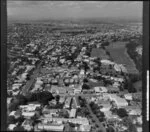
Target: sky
<point>38,10</point>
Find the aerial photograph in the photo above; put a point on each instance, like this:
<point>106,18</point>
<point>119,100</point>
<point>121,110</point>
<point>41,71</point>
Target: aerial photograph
<point>74,66</point>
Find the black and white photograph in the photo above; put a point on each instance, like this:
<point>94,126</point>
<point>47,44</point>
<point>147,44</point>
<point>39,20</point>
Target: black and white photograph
<point>74,66</point>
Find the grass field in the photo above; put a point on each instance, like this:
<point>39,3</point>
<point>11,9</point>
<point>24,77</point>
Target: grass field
<point>118,53</point>
<point>99,53</point>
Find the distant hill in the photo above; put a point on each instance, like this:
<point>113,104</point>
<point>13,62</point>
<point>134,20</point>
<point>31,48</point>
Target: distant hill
<point>78,21</point>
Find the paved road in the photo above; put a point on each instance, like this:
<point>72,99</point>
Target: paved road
<point>94,116</point>
<point>29,83</point>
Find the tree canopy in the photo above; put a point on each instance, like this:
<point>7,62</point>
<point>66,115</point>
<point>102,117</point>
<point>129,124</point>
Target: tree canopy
<point>122,112</point>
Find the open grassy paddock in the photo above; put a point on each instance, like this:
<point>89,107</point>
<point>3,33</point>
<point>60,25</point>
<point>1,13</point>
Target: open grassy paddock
<point>118,53</point>
<point>99,53</point>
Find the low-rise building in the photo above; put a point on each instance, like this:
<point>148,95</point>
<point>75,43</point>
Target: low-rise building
<point>106,106</point>
<point>76,102</point>
<point>28,125</point>
<point>50,127</point>
<point>81,120</point>
<point>120,102</point>
<point>77,91</point>
<point>16,114</point>
<point>72,113</point>
<point>136,111</point>
<point>68,102</point>
<point>11,127</point>
<point>107,62</point>
<point>28,115</point>
<point>85,128</point>
<point>100,89</point>
<point>30,107</point>
<point>112,89</point>
<point>128,96</point>
<point>62,100</point>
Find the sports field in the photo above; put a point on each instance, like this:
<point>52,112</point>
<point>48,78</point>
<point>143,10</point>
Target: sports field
<point>118,53</point>
<point>99,53</point>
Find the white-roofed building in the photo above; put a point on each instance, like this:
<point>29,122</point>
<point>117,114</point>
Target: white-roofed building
<point>9,100</point>
<point>73,113</point>
<point>24,75</point>
<point>120,102</point>
<point>82,72</point>
<point>128,96</point>
<point>29,67</point>
<point>50,127</point>
<point>135,112</point>
<point>139,129</point>
<point>107,62</point>
<point>28,125</point>
<point>100,89</point>
<point>11,127</point>
<point>81,120</point>
<point>12,113</point>
<point>28,114</point>
<point>68,102</point>
<point>30,107</point>
<point>85,128</point>
<point>117,68</point>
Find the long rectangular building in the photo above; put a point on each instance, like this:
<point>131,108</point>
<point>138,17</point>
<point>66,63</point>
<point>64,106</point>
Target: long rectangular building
<point>68,102</point>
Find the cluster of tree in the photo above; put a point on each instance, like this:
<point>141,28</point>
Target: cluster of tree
<point>41,97</point>
<point>110,129</point>
<point>57,97</point>
<point>85,80</point>
<point>121,112</point>
<point>128,84</point>
<point>98,61</point>
<point>13,120</point>
<point>131,50</point>
<point>127,121</point>
<point>57,106</point>
<point>64,114</point>
<point>19,129</point>
<point>82,101</point>
<point>96,110</point>
<point>105,43</point>
<point>85,86</point>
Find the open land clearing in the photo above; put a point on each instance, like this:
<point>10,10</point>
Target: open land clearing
<point>119,54</point>
<point>99,53</point>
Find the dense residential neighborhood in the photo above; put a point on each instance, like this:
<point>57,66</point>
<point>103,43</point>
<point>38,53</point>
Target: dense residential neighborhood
<point>74,66</point>
<point>62,79</point>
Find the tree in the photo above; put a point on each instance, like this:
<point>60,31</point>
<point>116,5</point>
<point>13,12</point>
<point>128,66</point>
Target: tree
<point>96,125</point>
<point>11,120</point>
<point>85,80</point>
<point>13,106</point>
<point>102,129</point>
<point>127,121</point>
<point>19,128</point>
<point>64,113</point>
<point>57,97</point>
<point>21,99</point>
<point>20,120</point>
<point>71,124</point>
<point>44,96</point>
<point>85,86</point>
<point>130,87</point>
<point>92,104</point>
<point>122,112</point>
<point>110,129</point>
